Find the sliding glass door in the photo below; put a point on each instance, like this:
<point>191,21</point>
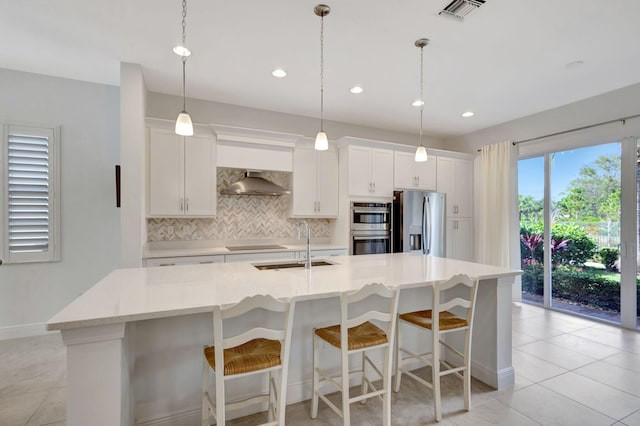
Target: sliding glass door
<point>570,231</point>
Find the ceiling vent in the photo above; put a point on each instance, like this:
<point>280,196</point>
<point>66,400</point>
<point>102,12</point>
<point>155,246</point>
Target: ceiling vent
<point>461,8</point>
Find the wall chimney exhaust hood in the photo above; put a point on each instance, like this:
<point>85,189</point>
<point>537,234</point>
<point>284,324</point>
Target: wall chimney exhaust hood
<point>254,184</point>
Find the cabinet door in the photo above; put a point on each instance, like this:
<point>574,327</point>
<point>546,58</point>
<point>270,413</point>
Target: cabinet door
<point>382,172</point>
<point>464,245</point>
<point>464,188</point>
<point>200,176</point>
<point>425,173</point>
<point>460,239</point>
<point>327,183</point>
<point>359,176</point>
<point>166,173</point>
<point>304,182</point>
<point>403,170</point>
<point>446,183</point>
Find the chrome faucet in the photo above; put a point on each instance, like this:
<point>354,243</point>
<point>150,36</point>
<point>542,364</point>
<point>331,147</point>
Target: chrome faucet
<point>307,264</point>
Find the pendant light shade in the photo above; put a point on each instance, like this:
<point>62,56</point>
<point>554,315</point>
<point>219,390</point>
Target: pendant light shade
<point>184,125</point>
<point>421,152</point>
<point>322,143</point>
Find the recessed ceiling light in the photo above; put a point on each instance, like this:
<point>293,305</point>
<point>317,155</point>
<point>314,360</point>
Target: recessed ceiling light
<point>356,90</point>
<point>417,103</point>
<point>279,72</point>
<point>468,114</point>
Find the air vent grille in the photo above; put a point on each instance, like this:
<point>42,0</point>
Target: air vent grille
<point>461,8</point>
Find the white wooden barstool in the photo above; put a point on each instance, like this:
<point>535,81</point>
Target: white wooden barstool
<point>255,350</point>
<point>440,321</point>
<point>358,334</point>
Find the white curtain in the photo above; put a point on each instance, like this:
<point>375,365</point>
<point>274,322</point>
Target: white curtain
<point>498,224</point>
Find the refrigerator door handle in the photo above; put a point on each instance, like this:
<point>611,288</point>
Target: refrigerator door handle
<point>429,225</point>
<point>424,225</point>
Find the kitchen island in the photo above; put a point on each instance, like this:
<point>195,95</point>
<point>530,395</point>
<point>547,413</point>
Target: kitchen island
<point>134,340</point>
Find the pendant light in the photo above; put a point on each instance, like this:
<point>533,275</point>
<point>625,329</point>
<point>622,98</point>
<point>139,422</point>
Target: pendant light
<point>421,152</point>
<point>184,126</point>
<point>322,144</point>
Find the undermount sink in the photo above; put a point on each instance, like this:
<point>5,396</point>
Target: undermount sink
<point>276,266</point>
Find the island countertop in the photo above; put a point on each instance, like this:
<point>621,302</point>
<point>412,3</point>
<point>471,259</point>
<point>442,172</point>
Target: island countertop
<point>127,295</point>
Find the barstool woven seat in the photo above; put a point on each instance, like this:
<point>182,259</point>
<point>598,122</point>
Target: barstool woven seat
<point>361,336</point>
<point>256,354</point>
<point>448,321</point>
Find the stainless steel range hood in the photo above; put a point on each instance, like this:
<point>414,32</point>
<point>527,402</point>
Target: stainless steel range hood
<point>254,184</point>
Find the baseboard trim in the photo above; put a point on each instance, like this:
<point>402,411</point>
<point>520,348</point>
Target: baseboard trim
<point>26,330</point>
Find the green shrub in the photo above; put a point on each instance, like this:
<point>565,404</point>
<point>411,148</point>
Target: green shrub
<point>580,286</point>
<point>608,257</point>
<point>578,250</point>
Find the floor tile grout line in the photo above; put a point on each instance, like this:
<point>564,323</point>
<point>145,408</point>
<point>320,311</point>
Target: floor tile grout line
<point>517,411</point>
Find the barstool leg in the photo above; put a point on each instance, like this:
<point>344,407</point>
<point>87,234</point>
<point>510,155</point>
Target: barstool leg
<point>364,388</point>
<point>467,371</point>
<point>397,358</point>
<point>346,408</point>
<point>386,385</point>
<point>436,377</point>
<point>205,389</point>
<point>316,378</point>
<point>220,417</point>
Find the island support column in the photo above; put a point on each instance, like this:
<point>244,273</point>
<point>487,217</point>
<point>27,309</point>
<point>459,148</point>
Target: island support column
<point>98,371</point>
<point>491,345</point>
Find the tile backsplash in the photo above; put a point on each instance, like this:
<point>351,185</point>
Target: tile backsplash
<point>240,217</point>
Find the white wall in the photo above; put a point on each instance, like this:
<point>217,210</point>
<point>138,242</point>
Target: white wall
<point>609,106</point>
<point>89,148</point>
<point>206,112</point>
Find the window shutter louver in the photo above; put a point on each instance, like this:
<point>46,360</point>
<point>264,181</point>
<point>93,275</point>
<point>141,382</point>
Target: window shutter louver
<point>28,194</point>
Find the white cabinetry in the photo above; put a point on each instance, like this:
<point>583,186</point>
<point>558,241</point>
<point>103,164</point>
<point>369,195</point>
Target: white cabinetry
<point>182,174</point>
<point>455,179</point>
<point>408,174</point>
<point>315,182</point>
<point>460,239</point>
<point>370,171</point>
<point>260,257</point>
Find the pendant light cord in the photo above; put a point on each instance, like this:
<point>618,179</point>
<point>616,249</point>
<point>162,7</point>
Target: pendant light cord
<point>421,89</point>
<point>184,95</point>
<point>322,73</point>
<point>184,23</point>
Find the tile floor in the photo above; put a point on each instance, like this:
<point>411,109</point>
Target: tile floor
<point>569,371</point>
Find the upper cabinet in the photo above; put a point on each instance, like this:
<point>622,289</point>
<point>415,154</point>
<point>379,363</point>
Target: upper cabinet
<point>315,182</point>
<point>182,174</point>
<point>408,174</point>
<point>370,171</point>
<point>455,178</point>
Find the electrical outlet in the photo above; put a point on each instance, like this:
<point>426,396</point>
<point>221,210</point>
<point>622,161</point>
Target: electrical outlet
<point>170,230</point>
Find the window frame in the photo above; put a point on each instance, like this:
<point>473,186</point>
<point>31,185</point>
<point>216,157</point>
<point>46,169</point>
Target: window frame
<point>52,132</point>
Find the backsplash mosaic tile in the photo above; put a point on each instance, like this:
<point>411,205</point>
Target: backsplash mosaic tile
<point>240,217</point>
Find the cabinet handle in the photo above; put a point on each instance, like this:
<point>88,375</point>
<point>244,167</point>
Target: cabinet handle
<point>187,203</point>
<point>167,264</point>
<point>418,179</point>
<point>374,187</point>
<point>181,204</point>
<point>318,206</point>
<point>206,261</point>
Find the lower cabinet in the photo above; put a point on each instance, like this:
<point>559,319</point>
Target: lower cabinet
<point>323,253</point>
<point>186,260</point>
<point>460,243</point>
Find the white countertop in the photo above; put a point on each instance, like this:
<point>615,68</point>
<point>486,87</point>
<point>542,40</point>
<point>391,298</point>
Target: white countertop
<point>145,293</point>
<point>152,253</point>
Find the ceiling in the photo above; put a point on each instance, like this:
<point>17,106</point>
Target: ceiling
<point>508,59</point>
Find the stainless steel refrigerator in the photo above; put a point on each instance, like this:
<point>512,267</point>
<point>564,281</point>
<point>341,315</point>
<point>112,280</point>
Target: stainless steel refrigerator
<point>418,222</point>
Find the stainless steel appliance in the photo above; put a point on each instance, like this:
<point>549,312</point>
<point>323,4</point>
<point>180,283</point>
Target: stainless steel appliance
<point>419,222</point>
<point>370,228</point>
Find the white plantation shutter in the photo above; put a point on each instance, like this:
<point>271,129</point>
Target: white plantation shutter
<point>30,194</point>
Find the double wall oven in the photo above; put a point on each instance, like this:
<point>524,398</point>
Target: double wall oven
<point>370,228</point>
